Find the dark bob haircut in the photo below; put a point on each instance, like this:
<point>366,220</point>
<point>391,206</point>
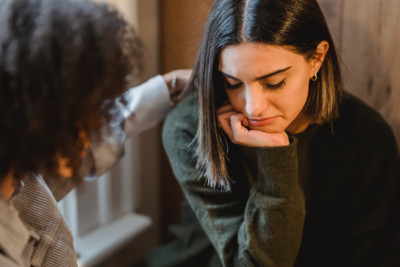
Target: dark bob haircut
<point>297,25</point>
<point>59,62</point>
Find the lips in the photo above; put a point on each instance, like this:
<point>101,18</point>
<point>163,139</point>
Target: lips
<point>261,122</point>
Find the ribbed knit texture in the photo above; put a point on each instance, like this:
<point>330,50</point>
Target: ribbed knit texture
<point>271,162</point>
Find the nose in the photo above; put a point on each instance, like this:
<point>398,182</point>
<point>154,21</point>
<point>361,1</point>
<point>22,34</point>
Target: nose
<point>255,102</point>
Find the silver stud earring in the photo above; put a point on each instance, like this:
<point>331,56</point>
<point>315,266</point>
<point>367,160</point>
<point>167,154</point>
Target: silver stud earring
<point>314,78</point>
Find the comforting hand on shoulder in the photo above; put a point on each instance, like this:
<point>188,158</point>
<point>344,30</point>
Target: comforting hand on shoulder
<point>236,126</point>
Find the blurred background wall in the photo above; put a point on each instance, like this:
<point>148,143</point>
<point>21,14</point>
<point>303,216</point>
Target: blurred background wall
<point>182,24</point>
<point>367,35</point>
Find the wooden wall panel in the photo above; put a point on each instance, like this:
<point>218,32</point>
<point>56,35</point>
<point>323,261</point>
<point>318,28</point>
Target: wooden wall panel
<point>367,35</point>
<point>182,24</point>
<point>182,29</point>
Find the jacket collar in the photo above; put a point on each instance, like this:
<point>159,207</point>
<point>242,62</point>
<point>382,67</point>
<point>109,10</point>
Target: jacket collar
<point>14,236</point>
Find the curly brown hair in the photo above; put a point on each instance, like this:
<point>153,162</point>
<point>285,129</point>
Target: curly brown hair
<point>59,62</point>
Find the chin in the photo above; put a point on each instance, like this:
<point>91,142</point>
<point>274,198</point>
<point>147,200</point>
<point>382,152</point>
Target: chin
<point>268,128</point>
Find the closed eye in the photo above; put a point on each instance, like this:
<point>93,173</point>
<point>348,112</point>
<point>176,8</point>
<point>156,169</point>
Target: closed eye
<point>229,86</point>
<point>272,87</point>
<point>277,86</point>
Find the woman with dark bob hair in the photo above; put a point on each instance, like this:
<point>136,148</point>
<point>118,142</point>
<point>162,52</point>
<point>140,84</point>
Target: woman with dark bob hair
<point>279,166</point>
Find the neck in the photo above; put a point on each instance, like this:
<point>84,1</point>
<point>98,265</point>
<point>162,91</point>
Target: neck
<point>300,124</point>
<point>7,185</point>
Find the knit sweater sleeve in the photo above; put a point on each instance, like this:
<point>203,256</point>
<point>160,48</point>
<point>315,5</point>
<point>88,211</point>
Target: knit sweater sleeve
<point>262,227</point>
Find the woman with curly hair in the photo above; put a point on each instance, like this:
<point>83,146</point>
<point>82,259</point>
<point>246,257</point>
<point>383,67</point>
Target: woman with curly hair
<point>65,67</point>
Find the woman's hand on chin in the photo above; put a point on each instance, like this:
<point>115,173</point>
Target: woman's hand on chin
<point>235,125</point>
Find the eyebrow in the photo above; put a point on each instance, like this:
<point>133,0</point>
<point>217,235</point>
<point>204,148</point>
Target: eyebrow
<point>259,78</point>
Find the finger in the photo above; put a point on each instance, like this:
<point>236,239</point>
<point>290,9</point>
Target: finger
<point>184,74</point>
<point>227,129</point>
<point>225,118</point>
<point>245,121</point>
<point>225,108</point>
<point>241,135</point>
<point>226,102</point>
<point>180,79</point>
<point>225,123</point>
<point>239,120</point>
<point>238,130</point>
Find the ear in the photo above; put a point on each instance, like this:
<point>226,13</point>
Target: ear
<point>318,58</point>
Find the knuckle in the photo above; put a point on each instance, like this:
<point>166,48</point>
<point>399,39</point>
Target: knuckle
<point>236,137</point>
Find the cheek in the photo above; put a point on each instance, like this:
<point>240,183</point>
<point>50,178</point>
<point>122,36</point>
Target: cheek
<point>292,100</point>
<point>236,99</point>
<point>304,90</point>
<point>298,100</point>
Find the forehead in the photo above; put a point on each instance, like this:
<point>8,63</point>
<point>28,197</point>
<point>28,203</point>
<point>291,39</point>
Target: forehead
<point>257,57</point>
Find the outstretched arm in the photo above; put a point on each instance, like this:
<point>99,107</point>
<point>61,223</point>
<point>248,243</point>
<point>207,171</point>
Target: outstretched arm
<point>146,105</point>
<point>149,103</point>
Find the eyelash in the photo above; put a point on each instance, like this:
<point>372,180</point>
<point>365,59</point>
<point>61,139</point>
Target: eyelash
<point>229,86</point>
<point>272,87</point>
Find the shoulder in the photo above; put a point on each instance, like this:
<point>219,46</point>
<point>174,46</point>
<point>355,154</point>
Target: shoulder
<point>363,124</point>
<point>179,139</point>
<point>186,110</point>
<point>180,126</point>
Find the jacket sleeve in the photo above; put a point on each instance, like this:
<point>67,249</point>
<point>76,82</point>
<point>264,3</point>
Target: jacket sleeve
<point>139,109</point>
<point>146,105</point>
<point>260,227</point>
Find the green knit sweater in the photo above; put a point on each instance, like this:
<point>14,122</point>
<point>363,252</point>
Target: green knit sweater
<point>330,198</point>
